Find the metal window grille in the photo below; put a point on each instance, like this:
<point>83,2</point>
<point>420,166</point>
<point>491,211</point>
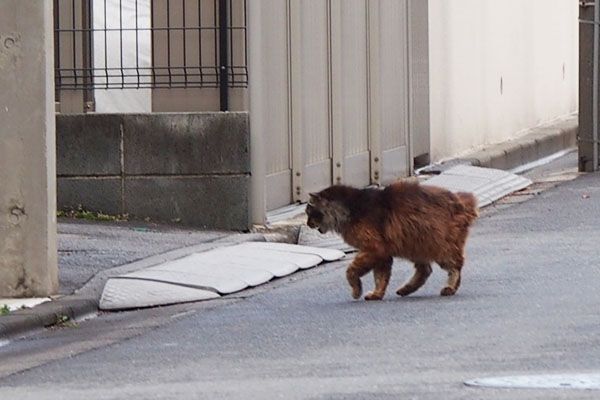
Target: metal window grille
<point>100,44</point>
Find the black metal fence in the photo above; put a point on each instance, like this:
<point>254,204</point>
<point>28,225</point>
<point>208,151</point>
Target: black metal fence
<point>120,44</point>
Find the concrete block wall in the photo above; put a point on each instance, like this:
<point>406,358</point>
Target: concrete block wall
<point>189,167</point>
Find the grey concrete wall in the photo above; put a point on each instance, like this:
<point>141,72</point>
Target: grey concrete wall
<point>28,254</point>
<point>189,167</point>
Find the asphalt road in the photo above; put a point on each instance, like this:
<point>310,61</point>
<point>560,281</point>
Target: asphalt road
<point>528,304</point>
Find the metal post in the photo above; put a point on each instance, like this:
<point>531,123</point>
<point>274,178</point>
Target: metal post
<point>595,86</point>
<point>223,56</point>
<point>589,46</point>
<point>88,54</point>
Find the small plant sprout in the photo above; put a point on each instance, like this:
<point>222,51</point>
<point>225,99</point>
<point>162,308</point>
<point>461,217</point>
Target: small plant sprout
<point>64,321</point>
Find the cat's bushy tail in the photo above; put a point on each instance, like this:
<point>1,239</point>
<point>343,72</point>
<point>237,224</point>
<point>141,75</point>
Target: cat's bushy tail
<point>469,202</point>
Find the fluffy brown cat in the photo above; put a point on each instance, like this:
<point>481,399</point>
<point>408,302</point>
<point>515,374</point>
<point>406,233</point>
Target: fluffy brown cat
<point>423,224</point>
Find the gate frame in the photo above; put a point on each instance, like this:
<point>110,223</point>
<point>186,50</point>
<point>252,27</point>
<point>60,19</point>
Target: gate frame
<point>589,87</point>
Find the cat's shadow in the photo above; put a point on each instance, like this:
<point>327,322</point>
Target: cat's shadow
<point>414,299</point>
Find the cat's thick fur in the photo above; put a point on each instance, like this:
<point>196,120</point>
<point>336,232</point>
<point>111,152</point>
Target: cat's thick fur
<point>423,224</point>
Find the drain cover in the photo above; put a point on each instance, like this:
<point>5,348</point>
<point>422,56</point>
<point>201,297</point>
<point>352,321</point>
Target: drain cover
<point>557,381</point>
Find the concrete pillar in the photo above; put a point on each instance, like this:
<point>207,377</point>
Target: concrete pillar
<point>420,136</point>
<point>258,159</point>
<point>28,253</point>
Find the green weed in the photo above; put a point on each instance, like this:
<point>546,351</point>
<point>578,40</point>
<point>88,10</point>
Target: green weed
<point>91,216</point>
<point>64,321</point>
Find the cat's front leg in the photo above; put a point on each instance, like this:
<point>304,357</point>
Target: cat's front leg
<point>361,264</point>
<point>354,280</point>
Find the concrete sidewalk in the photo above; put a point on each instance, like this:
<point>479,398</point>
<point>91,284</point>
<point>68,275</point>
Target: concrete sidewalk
<point>521,153</point>
<point>92,252</point>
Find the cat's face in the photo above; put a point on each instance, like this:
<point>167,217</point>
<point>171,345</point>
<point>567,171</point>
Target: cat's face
<point>316,218</point>
<point>327,210</point>
<point>324,214</point>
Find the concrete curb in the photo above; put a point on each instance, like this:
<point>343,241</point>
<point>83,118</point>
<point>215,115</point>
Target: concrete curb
<point>85,300</point>
<point>17,323</point>
<point>539,143</point>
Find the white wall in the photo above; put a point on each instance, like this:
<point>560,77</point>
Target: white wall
<point>498,68</point>
<point>122,53</point>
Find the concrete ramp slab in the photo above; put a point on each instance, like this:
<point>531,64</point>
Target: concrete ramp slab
<point>215,266</point>
<point>325,254</point>
<point>269,259</point>
<point>220,284</point>
<point>330,240</point>
<point>487,184</point>
<point>122,294</point>
<point>208,275</point>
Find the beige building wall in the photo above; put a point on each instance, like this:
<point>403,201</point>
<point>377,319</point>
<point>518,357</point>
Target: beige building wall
<point>199,50</point>
<point>498,68</point>
<point>331,96</point>
<point>70,51</point>
<point>28,249</point>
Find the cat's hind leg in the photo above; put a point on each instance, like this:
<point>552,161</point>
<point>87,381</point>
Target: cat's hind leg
<point>453,268</point>
<point>422,272</point>
<point>381,272</point>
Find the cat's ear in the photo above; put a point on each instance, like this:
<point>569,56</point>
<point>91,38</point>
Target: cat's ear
<point>314,198</point>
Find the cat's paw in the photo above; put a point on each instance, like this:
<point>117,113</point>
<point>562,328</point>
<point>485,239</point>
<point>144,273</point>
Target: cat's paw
<point>356,292</point>
<point>405,291</point>
<point>373,296</point>
<point>447,291</point>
